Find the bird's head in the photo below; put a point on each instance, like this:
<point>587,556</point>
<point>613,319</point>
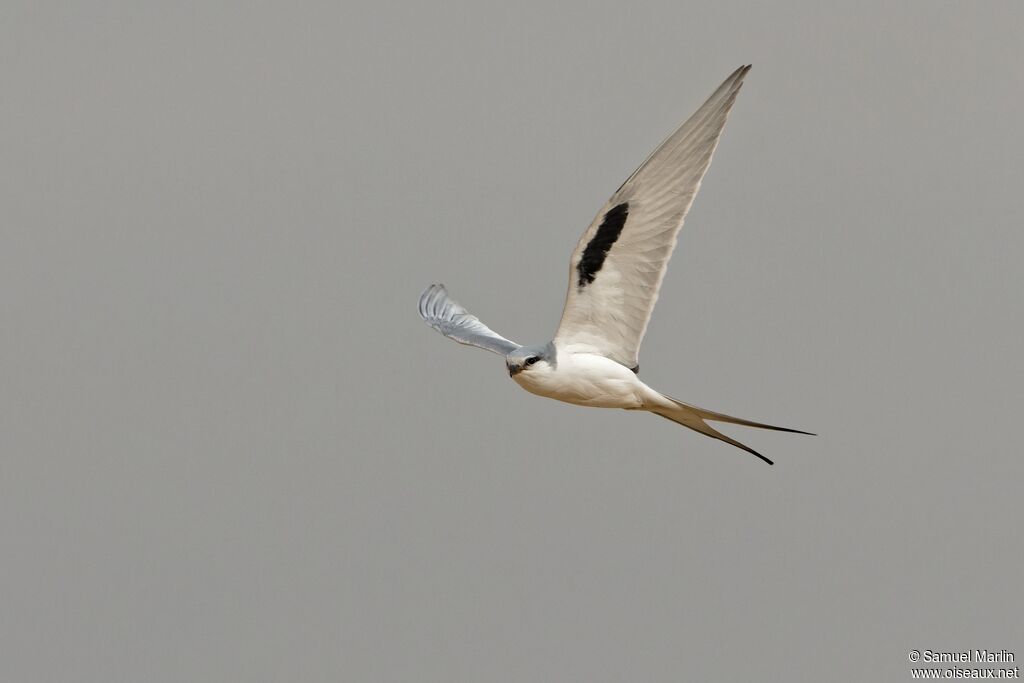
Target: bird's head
<point>527,358</point>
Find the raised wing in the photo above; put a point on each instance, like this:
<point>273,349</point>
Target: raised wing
<point>455,322</point>
<point>618,265</point>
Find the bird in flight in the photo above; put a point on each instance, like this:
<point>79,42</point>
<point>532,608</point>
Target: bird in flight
<point>614,277</point>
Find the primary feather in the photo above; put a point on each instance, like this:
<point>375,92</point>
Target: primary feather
<point>449,318</point>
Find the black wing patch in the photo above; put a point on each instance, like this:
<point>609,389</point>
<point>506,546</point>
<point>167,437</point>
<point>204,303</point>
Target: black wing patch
<point>601,243</point>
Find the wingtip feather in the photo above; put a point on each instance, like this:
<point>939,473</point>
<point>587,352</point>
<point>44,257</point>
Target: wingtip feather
<point>428,301</point>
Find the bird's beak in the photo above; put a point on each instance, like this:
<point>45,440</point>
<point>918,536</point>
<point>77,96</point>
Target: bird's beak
<point>514,370</point>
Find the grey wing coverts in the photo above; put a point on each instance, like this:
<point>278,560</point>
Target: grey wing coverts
<point>449,318</point>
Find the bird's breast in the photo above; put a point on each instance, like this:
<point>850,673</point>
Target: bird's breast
<point>584,379</point>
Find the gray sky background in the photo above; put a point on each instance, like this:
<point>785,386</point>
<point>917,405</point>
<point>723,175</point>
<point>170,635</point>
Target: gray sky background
<point>232,451</point>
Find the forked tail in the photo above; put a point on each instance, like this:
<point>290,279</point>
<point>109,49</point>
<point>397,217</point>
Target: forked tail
<point>694,418</point>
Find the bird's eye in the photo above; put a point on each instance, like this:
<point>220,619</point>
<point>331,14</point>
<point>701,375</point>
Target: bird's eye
<point>532,359</point>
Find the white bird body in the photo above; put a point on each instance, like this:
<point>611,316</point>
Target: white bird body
<point>615,274</point>
<point>587,379</point>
